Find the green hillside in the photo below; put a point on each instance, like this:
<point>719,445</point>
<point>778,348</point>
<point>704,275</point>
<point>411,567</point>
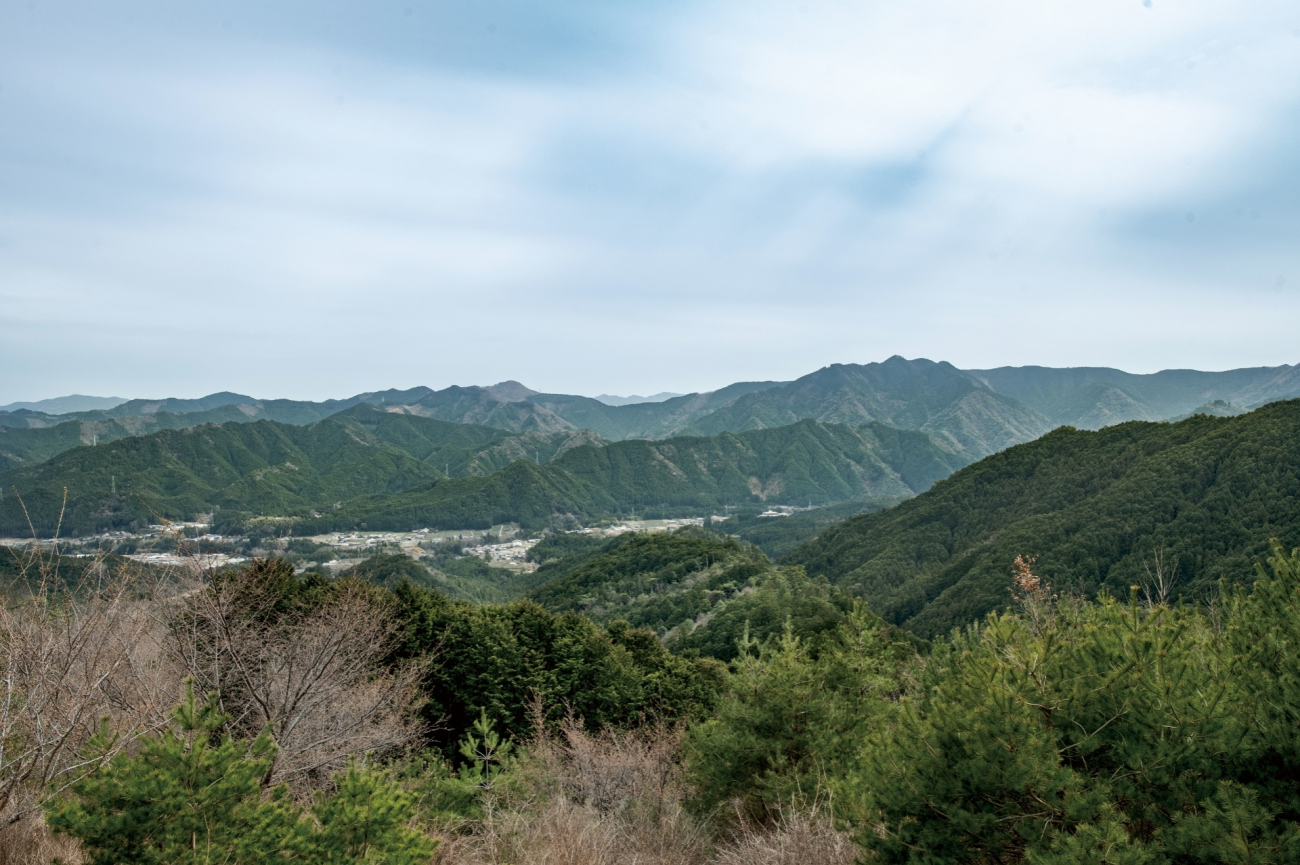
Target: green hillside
<point>653,580</point>
<point>917,394</point>
<point>1095,508</point>
<point>257,468</point>
<point>374,469</point>
<point>804,463</point>
<point>777,536</point>
<point>699,590</point>
<point>26,446</point>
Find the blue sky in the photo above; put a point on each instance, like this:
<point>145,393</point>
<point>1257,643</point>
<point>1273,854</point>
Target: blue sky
<point>311,199</point>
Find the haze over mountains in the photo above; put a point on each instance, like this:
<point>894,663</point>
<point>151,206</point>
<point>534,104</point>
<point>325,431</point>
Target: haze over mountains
<point>611,399</point>
<point>368,468</point>
<point>508,453</point>
<point>66,404</point>
<point>973,412</point>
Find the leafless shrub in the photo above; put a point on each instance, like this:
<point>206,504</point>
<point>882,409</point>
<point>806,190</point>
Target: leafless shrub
<point>613,769</point>
<point>560,833</point>
<point>316,680</point>
<point>590,799</point>
<point>1162,576</point>
<point>73,654</point>
<point>799,838</point>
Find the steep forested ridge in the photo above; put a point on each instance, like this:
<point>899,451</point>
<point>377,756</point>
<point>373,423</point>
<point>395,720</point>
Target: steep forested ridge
<point>801,464</point>
<point>975,412</point>
<point>1098,510</point>
<point>910,394</point>
<point>367,468</point>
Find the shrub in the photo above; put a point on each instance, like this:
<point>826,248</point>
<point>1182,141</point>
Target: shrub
<point>194,796</point>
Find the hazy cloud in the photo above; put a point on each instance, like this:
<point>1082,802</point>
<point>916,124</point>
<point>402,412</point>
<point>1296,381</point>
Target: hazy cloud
<point>312,199</point>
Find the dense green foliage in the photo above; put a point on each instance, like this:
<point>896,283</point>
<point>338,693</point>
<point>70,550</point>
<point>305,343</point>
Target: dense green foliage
<point>652,580</point>
<point>505,659</point>
<point>777,536</point>
<point>370,469</point>
<point>1098,510</point>
<point>390,569</point>
<point>1064,732</point>
<point>458,576</point>
<point>701,591</point>
<point>1109,732</point>
<point>795,713</point>
<point>560,547</point>
<point>802,463</point>
<point>193,796</point>
<point>501,657</point>
<point>258,468</point>
<point>774,603</point>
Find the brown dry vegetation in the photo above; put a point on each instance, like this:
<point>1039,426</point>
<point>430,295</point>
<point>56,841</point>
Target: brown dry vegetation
<point>619,797</point>
<point>316,682</point>
<point>114,648</point>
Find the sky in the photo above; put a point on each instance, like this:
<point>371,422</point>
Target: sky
<point>314,198</point>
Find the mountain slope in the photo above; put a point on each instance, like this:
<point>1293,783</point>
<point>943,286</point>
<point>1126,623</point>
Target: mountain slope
<point>1092,397</point>
<point>918,394</point>
<point>657,581</point>
<point>803,463</point>
<point>369,468</point>
<point>1095,508</point>
<point>260,467</point>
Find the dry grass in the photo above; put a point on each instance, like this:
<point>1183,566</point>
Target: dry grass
<point>28,842</point>
<point>617,797</point>
<point>799,838</point>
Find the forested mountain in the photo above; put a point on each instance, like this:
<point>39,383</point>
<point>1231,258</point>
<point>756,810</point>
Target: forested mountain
<point>976,412</point>
<point>1093,397</point>
<point>777,536</point>
<point>919,394</point>
<point>1196,500</point>
<point>695,588</point>
<point>27,445</point>
<point>368,468</point>
<point>802,464</point>
<point>651,580</point>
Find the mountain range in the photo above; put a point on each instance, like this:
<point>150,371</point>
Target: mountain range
<point>971,412</point>
<point>1195,501</point>
<point>369,468</point>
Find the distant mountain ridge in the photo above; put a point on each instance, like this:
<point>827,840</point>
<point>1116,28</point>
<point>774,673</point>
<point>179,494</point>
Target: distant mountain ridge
<point>370,468</point>
<point>1093,397</point>
<point>973,412</point>
<point>66,404</point>
<point>918,394</point>
<point>611,399</point>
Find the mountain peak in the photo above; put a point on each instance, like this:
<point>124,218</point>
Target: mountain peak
<point>510,391</point>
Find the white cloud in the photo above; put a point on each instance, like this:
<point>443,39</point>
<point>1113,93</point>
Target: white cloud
<point>839,183</point>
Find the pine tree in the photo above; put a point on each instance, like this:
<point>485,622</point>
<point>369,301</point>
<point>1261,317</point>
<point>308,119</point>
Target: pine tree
<point>188,796</point>
<point>193,797</point>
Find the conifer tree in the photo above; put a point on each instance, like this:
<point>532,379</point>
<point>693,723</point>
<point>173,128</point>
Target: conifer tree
<point>193,797</point>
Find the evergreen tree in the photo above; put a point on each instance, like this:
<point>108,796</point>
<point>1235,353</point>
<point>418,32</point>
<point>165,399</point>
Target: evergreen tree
<point>189,796</point>
<point>193,797</point>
